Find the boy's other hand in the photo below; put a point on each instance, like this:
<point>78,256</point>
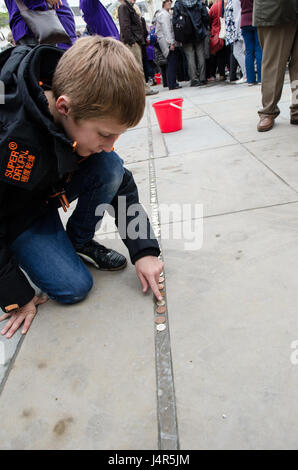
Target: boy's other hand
<point>24,314</point>
<point>148,271</point>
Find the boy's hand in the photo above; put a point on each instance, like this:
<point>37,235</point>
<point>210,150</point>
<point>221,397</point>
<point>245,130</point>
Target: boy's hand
<point>24,314</point>
<point>148,270</point>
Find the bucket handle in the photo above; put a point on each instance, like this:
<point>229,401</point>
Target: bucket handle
<point>175,106</point>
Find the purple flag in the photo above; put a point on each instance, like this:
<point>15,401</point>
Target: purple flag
<point>98,18</point>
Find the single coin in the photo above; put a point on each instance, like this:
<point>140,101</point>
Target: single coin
<point>162,293</point>
<point>161,310</point>
<point>161,286</point>
<point>160,303</point>
<point>160,319</point>
<point>161,279</point>
<point>161,327</point>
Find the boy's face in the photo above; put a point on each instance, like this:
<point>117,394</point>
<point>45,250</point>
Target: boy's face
<point>93,135</point>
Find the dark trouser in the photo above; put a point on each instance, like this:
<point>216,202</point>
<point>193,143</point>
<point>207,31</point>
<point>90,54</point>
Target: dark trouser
<point>218,61</point>
<point>195,56</point>
<point>163,69</point>
<point>233,66</point>
<point>279,44</point>
<point>172,69</point>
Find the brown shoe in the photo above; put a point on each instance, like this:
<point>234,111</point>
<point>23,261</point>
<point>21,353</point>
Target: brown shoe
<point>266,123</point>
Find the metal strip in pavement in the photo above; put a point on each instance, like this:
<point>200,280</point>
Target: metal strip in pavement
<point>168,438</point>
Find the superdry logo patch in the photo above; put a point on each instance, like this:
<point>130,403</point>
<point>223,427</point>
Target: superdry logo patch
<point>20,163</point>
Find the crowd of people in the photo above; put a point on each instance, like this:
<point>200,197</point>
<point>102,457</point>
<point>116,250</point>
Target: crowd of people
<point>198,41</point>
<point>237,41</point>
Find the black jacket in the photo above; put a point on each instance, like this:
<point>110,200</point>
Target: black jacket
<point>131,29</point>
<point>198,20</point>
<point>35,157</point>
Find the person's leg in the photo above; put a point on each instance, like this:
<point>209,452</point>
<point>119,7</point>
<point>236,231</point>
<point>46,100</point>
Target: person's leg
<point>172,69</point>
<point>277,42</point>
<point>95,183</point>
<point>46,254</point>
<point>212,67</point>
<point>233,66</point>
<point>145,63</point>
<point>137,52</point>
<point>163,69</point>
<point>258,55</point>
<point>191,64</point>
<point>221,63</point>
<point>238,51</point>
<point>248,35</point>
<point>293,71</point>
<point>199,49</point>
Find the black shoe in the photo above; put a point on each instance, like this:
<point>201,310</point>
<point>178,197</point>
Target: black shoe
<point>101,257</point>
<point>194,82</point>
<point>175,87</point>
<point>203,82</point>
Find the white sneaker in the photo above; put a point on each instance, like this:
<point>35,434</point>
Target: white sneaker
<point>241,80</point>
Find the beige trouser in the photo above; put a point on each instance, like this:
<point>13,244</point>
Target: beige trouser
<point>279,44</point>
<point>137,52</point>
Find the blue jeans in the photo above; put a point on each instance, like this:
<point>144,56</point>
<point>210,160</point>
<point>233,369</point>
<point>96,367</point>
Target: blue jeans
<point>45,251</point>
<point>253,51</point>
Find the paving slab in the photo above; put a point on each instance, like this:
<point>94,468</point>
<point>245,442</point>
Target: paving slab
<point>280,154</point>
<point>198,133</point>
<point>232,322</point>
<point>223,180</point>
<point>85,376</point>
<point>132,146</point>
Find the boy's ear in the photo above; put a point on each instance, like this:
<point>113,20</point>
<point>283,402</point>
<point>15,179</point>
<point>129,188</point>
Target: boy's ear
<point>63,105</point>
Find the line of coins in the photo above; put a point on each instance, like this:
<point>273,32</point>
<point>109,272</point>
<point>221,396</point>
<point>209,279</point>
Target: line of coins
<point>161,308</point>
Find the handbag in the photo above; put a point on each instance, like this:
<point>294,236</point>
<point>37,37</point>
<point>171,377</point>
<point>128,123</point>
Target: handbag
<point>44,25</point>
<point>217,43</point>
<point>222,32</point>
<point>160,59</point>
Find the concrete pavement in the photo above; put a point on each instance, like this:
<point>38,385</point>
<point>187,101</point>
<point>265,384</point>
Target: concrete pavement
<point>98,375</point>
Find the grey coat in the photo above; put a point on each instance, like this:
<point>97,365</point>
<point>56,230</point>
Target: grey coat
<point>274,12</point>
<point>164,31</point>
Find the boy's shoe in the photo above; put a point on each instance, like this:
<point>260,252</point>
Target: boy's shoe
<point>101,257</point>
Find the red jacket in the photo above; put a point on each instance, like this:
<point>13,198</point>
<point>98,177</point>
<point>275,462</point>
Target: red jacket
<point>214,15</point>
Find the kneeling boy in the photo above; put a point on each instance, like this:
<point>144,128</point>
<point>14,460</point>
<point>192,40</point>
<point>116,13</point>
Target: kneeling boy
<point>61,117</point>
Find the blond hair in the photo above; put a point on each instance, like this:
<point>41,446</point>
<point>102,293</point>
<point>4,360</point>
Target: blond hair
<point>101,78</point>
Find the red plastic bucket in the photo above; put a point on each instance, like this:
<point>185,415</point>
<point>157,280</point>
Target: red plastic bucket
<point>157,78</point>
<point>169,114</point>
